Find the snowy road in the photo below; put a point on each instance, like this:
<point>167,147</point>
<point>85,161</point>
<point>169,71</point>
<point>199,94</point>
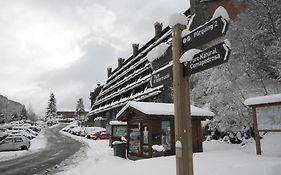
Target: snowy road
<point>59,148</point>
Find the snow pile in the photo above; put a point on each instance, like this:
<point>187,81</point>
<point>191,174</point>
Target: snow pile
<point>157,51</point>
<point>158,148</point>
<point>218,158</point>
<point>177,18</point>
<point>188,55</point>
<point>221,11</point>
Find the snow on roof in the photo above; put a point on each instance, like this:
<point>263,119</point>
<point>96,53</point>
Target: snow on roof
<point>263,100</point>
<point>177,18</point>
<point>117,123</point>
<point>151,108</point>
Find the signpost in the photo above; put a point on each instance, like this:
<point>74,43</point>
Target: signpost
<point>208,58</point>
<point>206,33</point>
<point>179,73</point>
<point>162,76</point>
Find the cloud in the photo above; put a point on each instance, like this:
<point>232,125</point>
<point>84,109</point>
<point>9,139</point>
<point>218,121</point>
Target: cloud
<point>65,46</point>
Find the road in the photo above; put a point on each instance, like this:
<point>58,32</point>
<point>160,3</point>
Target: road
<point>59,147</point>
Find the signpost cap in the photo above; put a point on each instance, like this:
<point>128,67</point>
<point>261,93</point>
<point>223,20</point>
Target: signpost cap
<point>177,18</point>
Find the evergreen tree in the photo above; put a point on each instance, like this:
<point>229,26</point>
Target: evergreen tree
<point>80,106</point>
<point>23,114</point>
<point>51,108</point>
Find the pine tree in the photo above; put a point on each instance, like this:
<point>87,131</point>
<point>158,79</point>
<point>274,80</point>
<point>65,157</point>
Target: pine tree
<point>23,114</point>
<point>80,107</point>
<point>51,108</point>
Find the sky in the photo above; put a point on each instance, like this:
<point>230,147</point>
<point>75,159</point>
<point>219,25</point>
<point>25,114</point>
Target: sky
<point>65,46</point>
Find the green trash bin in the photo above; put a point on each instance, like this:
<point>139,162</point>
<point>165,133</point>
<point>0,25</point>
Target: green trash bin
<point>119,149</point>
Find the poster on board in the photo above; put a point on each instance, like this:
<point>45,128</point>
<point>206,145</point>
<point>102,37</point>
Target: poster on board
<point>269,117</point>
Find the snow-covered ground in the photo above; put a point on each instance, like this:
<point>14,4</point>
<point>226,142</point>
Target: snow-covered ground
<point>37,144</point>
<point>218,158</point>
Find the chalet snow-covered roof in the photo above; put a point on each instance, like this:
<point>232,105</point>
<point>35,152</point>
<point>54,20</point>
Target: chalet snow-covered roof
<point>263,100</point>
<point>150,108</point>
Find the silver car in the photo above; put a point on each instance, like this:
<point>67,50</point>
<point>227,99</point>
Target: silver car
<point>14,143</point>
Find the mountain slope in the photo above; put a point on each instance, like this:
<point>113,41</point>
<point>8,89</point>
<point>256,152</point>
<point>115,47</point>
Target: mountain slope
<point>9,107</point>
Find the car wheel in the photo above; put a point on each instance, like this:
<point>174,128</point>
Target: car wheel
<point>23,148</point>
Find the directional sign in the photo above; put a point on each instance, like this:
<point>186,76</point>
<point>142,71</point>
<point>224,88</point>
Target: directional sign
<point>162,76</point>
<point>208,58</point>
<point>206,33</point>
<point>163,60</point>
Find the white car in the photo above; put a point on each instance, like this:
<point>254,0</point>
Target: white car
<point>15,143</point>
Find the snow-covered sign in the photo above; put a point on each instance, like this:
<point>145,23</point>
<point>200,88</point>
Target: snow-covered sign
<point>211,30</point>
<point>206,59</point>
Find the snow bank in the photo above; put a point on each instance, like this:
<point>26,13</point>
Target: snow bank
<point>218,158</point>
<point>177,18</point>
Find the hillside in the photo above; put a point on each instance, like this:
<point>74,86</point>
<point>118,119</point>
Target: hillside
<point>9,107</point>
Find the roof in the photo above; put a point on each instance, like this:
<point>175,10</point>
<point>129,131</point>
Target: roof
<point>150,108</point>
<point>263,100</point>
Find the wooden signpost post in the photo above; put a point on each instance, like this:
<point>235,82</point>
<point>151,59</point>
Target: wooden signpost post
<point>206,59</point>
<point>165,71</point>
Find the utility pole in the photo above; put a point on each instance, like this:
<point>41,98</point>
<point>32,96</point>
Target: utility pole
<point>183,128</point>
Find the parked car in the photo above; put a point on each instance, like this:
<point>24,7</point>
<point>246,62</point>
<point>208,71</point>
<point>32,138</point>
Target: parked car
<point>22,133</point>
<point>100,135</point>
<point>15,143</point>
<point>88,131</point>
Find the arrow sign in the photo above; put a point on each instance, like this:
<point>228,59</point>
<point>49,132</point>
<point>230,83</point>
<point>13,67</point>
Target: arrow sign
<point>162,76</point>
<point>206,33</point>
<point>208,58</point>
<point>163,60</point>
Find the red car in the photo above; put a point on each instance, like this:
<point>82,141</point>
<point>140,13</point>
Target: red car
<point>100,135</point>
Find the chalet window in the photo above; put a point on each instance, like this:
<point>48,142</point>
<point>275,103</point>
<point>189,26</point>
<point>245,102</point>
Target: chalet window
<point>145,146</point>
<point>166,135</point>
<point>119,131</point>
<point>134,144</point>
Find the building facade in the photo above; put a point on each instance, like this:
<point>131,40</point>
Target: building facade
<point>130,81</point>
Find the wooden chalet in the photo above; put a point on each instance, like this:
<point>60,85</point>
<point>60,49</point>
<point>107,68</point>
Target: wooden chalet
<point>151,124</point>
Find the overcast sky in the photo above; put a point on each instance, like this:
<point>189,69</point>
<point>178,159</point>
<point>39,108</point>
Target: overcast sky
<point>65,46</point>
